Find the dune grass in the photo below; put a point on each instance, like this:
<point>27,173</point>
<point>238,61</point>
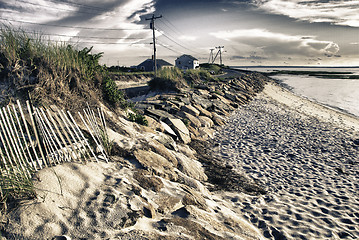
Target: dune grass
<point>52,72</point>
<point>33,67</point>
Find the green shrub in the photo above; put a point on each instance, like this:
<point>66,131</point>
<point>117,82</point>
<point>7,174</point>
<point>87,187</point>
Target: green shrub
<point>112,94</point>
<point>138,118</point>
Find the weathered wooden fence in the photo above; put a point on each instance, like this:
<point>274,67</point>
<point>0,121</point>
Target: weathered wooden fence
<point>33,138</point>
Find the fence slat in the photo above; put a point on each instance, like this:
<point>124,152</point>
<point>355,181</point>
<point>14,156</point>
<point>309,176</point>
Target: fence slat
<point>16,138</point>
<point>28,134</point>
<point>46,135</point>
<point>10,142</point>
<point>75,135</point>
<point>23,137</point>
<point>35,132</point>
<point>78,129</point>
<point>66,147</point>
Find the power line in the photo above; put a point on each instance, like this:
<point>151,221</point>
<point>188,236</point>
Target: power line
<point>95,43</point>
<point>180,44</point>
<point>163,34</point>
<point>85,37</point>
<point>174,27</point>
<point>170,28</point>
<point>77,27</point>
<point>167,47</point>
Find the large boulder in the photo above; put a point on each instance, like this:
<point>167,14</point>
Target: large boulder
<point>168,129</point>
<point>202,111</point>
<point>160,149</point>
<point>205,121</point>
<point>206,133</point>
<point>155,163</point>
<point>158,114</point>
<point>192,120</point>
<point>190,109</point>
<point>218,120</point>
<point>155,125</point>
<point>180,129</point>
<point>202,101</point>
<point>191,167</point>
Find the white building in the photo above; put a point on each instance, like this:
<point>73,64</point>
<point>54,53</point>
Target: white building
<point>187,62</point>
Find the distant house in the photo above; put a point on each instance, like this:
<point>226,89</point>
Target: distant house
<point>148,65</point>
<point>187,62</point>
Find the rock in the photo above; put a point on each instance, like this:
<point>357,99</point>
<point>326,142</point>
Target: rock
<point>135,203</point>
<point>149,211</point>
<point>167,140</point>
<point>131,219</point>
<point>192,120</point>
<point>155,125</point>
<point>158,114</point>
<point>205,121</point>
<point>63,237</point>
<point>193,198</point>
<point>147,181</point>
<point>356,141</point>
<point>191,228</point>
<point>185,100</point>
<point>177,103</point>
<point>191,167</point>
<point>166,202</point>
<point>168,129</point>
<point>218,120</point>
<point>203,92</point>
<point>191,182</point>
<point>190,109</point>
<point>187,151</point>
<point>160,149</point>
<point>154,162</point>
<point>230,96</point>
<point>219,105</point>
<point>206,132</point>
<point>203,102</point>
<point>193,132</point>
<point>180,129</point>
<point>202,111</point>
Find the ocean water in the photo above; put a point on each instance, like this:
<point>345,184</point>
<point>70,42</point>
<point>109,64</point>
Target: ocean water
<point>341,94</point>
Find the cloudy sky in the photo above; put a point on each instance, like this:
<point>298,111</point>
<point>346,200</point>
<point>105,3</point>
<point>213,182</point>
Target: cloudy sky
<point>253,32</point>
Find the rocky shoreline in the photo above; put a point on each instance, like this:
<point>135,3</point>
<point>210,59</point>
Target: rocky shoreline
<point>212,164</point>
<point>157,186</point>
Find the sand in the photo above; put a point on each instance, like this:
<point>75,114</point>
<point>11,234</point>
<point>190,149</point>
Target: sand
<point>304,154</point>
<point>307,158</point>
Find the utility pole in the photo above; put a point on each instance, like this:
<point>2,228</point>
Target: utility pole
<point>210,59</point>
<point>152,26</point>
<point>220,53</point>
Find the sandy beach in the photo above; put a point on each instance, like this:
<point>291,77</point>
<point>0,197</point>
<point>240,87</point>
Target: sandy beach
<point>306,156</point>
<point>303,156</point>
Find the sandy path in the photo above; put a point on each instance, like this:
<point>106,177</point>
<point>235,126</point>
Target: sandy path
<point>310,167</point>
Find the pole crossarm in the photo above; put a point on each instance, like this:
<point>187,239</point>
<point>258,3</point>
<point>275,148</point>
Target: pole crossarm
<point>220,54</point>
